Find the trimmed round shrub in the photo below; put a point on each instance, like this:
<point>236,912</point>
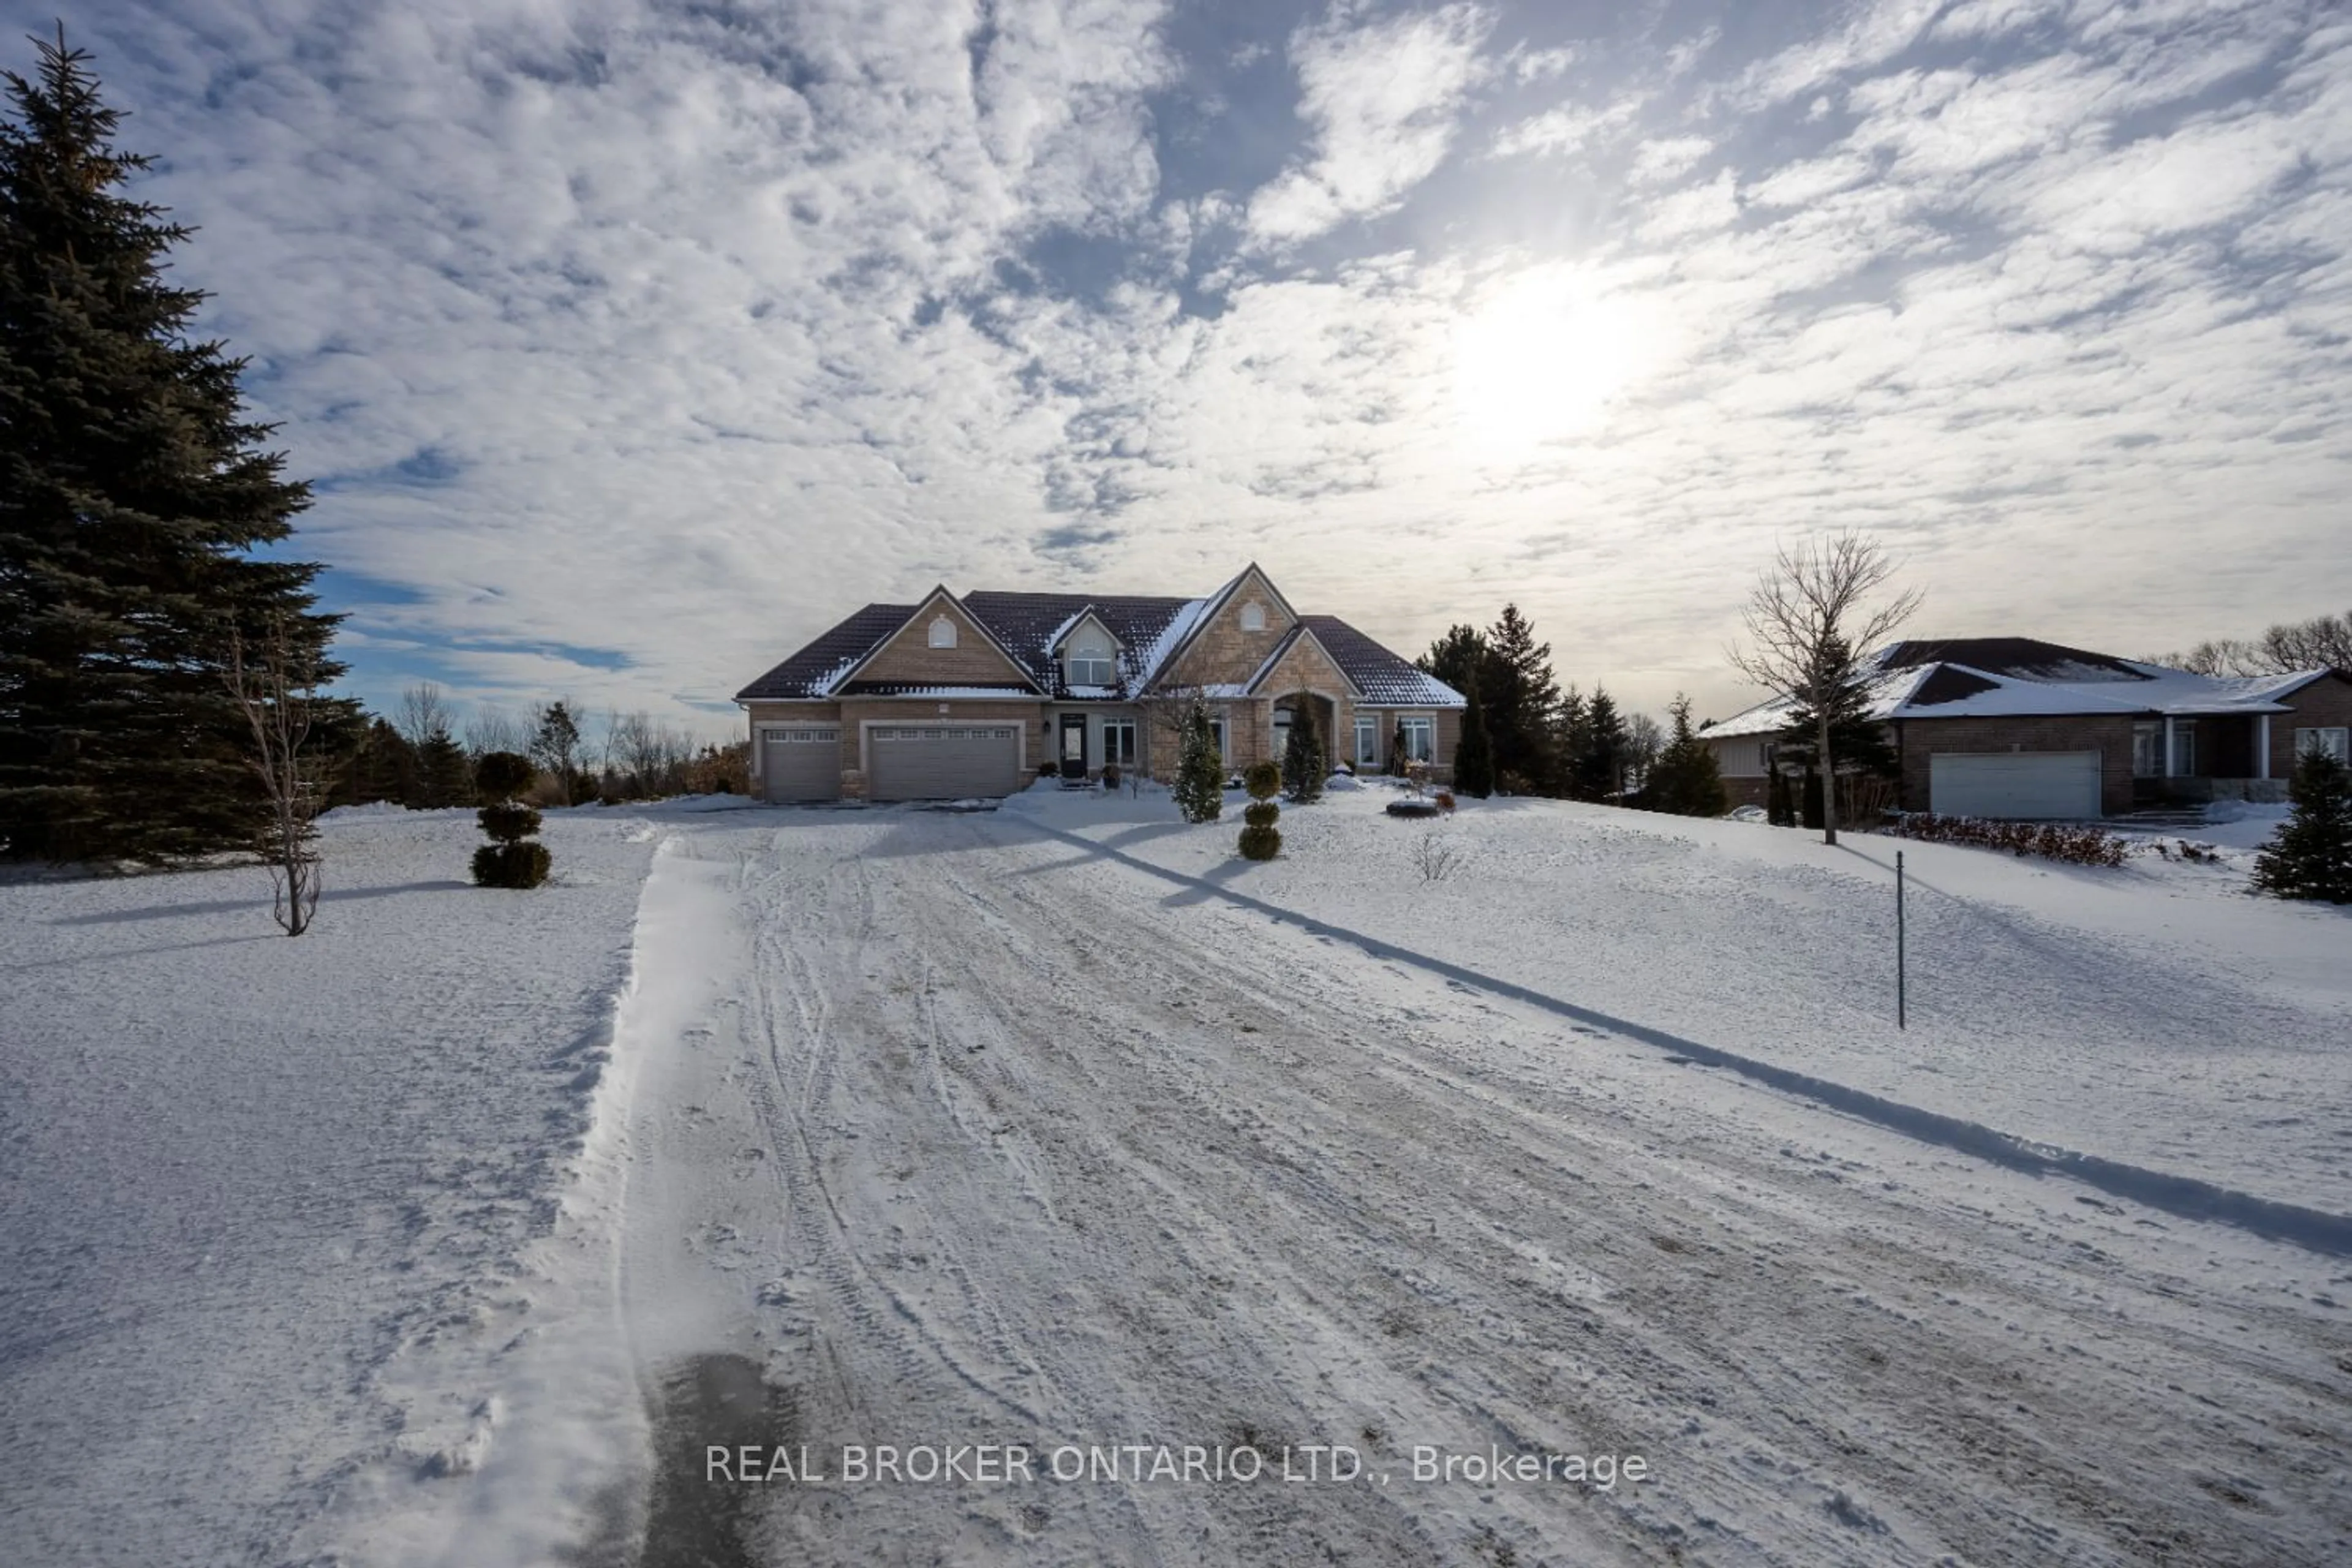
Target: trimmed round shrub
<point>1261,814</point>
<point>1260,843</point>
<point>511,865</point>
<point>502,775</point>
<point>1263,781</point>
<point>1110,776</point>
<point>507,820</point>
<point>1049,769</point>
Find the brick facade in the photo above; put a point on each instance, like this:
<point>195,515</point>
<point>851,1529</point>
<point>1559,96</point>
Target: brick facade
<point>2325,703</point>
<point>1918,738</point>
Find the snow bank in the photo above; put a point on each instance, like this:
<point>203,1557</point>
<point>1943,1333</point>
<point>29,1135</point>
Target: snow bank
<point>280,1180</point>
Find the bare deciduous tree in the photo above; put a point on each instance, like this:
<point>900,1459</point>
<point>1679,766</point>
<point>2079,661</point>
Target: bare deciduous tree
<point>2322,642</point>
<point>1809,632</point>
<point>424,713</point>
<point>492,729</point>
<point>279,690</point>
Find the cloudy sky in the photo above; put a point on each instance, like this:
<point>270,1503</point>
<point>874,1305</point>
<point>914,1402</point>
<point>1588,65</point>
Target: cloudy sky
<point>630,343</point>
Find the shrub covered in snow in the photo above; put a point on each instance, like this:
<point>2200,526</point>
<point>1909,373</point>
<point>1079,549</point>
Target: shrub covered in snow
<point>1260,843</point>
<point>2076,844</point>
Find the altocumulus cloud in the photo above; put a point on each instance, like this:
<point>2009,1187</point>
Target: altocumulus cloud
<point>634,342</point>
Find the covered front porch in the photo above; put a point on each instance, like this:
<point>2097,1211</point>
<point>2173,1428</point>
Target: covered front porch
<point>2193,757</point>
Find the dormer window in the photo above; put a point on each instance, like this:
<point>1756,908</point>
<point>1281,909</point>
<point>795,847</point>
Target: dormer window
<point>943,633</point>
<point>1090,666</point>
<point>1253,616</point>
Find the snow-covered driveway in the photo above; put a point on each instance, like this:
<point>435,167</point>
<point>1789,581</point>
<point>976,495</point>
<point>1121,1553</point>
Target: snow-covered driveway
<point>960,1133</point>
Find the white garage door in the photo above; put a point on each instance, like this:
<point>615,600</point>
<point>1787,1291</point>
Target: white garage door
<point>942,761</point>
<point>802,764</point>
<point>2027,786</point>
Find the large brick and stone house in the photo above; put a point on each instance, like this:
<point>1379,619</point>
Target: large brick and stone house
<point>2008,727</point>
<point>966,695</point>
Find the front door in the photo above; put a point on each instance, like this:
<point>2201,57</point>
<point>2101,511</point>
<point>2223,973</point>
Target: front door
<point>1074,745</point>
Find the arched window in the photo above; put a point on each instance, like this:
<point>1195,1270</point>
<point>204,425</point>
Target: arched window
<point>1253,616</point>
<point>943,633</point>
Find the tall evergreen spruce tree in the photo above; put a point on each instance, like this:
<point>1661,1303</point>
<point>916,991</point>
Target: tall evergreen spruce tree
<point>1474,754</point>
<point>1522,697</point>
<point>444,775</point>
<point>1685,779</point>
<point>132,492</point>
<point>1200,788</point>
<point>385,768</point>
<point>1304,767</point>
<point>1598,763</point>
<point>2310,856</point>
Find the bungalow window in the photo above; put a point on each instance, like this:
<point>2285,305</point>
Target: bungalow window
<point>943,633</point>
<point>1253,616</point>
<point>2147,750</point>
<point>1217,728</point>
<point>1118,742</point>
<point>1368,741</point>
<point>2333,742</point>
<point>1090,667</point>
<point>1419,738</point>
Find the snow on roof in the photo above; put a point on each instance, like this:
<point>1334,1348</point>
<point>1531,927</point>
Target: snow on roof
<point>2087,685</point>
<point>1180,625</point>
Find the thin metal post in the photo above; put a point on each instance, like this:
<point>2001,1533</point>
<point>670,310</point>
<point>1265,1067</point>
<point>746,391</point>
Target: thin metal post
<point>1899,997</point>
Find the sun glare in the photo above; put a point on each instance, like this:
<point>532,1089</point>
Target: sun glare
<point>1540,358</point>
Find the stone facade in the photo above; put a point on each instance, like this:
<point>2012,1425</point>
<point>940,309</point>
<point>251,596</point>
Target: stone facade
<point>910,655</point>
<point>852,713</point>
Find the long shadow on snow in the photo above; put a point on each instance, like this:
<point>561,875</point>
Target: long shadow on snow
<point>234,906</point>
<point>2315,1229</point>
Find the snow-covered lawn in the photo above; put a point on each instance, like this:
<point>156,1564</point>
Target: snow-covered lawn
<point>1058,1125</point>
<point>2156,1014</point>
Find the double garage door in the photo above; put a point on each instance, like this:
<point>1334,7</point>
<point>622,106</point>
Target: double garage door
<point>2017,785</point>
<point>942,761</point>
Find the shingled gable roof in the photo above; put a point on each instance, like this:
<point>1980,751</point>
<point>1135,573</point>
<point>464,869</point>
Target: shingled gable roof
<point>811,672</point>
<point>842,682</point>
<point>1381,679</point>
<point>2019,677</point>
<point>1024,627</point>
<point>1217,602</point>
<point>1299,632</point>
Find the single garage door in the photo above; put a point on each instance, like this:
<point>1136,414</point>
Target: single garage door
<point>942,761</point>
<point>804,763</point>
<point>2031,785</point>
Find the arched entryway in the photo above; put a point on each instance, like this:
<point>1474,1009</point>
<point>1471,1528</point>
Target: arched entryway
<point>1326,714</point>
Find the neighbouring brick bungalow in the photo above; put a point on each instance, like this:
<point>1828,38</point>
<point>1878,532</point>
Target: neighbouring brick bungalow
<point>966,695</point>
<point>2010,727</point>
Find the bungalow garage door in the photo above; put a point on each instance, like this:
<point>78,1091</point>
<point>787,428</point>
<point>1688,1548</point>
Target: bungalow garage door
<point>802,763</point>
<point>2019,785</point>
<point>942,761</point>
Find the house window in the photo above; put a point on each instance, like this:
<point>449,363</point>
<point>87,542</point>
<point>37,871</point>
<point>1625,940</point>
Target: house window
<point>1419,738</point>
<point>2334,743</point>
<point>943,633</point>
<point>1764,757</point>
<point>2148,751</point>
<point>1253,616</point>
<point>1217,728</point>
<point>2184,750</point>
<point>1368,741</point>
<point>1118,742</point>
<point>1090,667</point>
